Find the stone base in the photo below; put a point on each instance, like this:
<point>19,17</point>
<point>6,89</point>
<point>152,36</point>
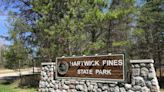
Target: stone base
<point>143,79</point>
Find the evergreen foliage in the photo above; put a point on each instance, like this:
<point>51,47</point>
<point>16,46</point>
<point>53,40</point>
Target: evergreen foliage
<point>47,29</point>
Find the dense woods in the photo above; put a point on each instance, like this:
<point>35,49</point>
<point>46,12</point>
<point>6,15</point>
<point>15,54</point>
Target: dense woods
<point>42,30</point>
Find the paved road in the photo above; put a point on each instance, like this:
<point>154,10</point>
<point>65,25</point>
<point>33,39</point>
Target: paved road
<point>17,73</point>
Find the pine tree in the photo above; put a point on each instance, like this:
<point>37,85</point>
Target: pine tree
<point>150,30</point>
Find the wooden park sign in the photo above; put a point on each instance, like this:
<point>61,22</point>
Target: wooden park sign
<point>100,67</point>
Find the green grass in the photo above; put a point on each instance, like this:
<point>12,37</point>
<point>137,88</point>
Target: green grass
<point>14,88</point>
<point>6,88</point>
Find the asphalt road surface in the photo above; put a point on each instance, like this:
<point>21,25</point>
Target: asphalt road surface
<point>9,73</point>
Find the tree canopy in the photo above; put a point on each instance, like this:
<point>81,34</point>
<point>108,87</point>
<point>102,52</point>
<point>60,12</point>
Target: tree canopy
<point>51,28</point>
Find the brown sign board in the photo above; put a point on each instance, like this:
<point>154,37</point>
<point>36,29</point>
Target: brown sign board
<point>100,67</point>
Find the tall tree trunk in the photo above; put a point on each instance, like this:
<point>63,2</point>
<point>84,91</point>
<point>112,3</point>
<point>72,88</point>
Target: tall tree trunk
<point>109,38</point>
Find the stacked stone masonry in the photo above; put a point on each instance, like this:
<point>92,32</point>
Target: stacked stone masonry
<point>143,79</point>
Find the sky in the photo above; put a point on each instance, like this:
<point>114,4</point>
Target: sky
<point>3,28</point>
<point>3,23</point>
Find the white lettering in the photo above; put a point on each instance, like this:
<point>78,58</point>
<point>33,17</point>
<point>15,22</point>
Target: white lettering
<point>103,72</point>
<point>112,62</point>
<point>120,62</point>
<point>84,63</point>
<point>84,71</point>
<point>87,63</point>
<point>74,63</point>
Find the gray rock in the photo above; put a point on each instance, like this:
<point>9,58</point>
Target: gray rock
<point>46,89</point>
<point>60,86</point>
<point>63,81</point>
<point>80,87</point>
<point>132,66</point>
<point>85,88</point>
<point>105,87</point>
<point>43,90</point>
<point>154,88</point>
<point>53,82</point>
<point>82,82</point>
<point>73,90</point>
<point>128,86</point>
<point>40,90</point>
<point>137,88</point>
<point>150,65</point>
<point>112,85</point>
<point>47,84</point>
<point>130,91</point>
<point>142,64</point>
<point>51,85</point>
<point>77,82</point>
<point>46,68</point>
<point>48,78</point>
<point>68,90</point>
<point>51,69</point>
<point>90,87</point>
<point>64,91</point>
<point>58,90</point>
<point>144,72</point>
<point>135,71</point>
<point>93,83</point>
<point>105,91</point>
<point>99,90</point>
<point>148,84</point>
<point>42,69</point>
<point>138,81</point>
<point>151,75</point>
<point>95,87</point>
<point>54,68</point>
<point>67,82</point>
<point>65,86</point>
<point>151,70</point>
<point>122,89</point>
<point>51,90</point>
<point>145,89</point>
<point>100,85</point>
<point>72,86</point>
<point>45,78</point>
<point>116,89</point>
<point>93,90</point>
<point>111,89</point>
<point>137,66</point>
<point>41,84</point>
<point>43,73</point>
<point>72,81</point>
<point>154,82</point>
<point>88,83</point>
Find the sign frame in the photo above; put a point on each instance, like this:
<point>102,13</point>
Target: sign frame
<point>95,79</point>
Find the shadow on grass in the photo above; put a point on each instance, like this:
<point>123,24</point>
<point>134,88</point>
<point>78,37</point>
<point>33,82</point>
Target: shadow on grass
<point>24,82</point>
<point>7,81</point>
<point>31,81</point>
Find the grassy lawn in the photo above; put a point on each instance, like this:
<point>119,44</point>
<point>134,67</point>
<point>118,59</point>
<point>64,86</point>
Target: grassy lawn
<point>14,88</point>
<point>162,90</point>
